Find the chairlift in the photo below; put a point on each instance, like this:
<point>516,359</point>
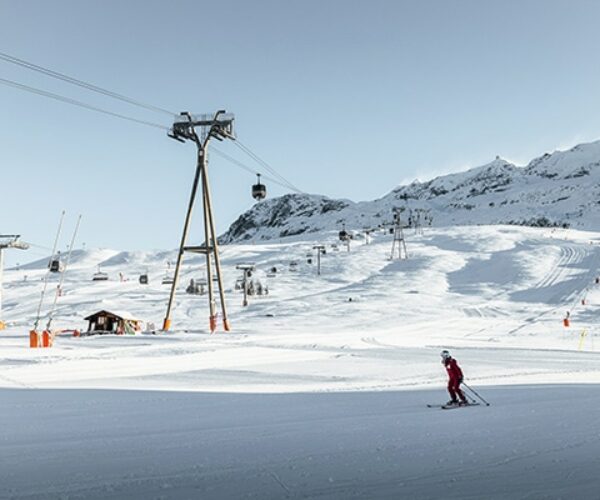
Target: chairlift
<point>100,276</point>
<point>259,190</point>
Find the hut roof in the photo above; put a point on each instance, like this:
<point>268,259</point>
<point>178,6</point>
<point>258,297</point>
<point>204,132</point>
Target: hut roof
<point>117,314</point>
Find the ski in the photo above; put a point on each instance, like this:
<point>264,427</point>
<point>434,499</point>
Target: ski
<point>449,407</point>
<point>452,407</point>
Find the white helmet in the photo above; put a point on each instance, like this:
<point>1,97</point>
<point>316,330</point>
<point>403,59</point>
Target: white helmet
<point>445,354</point>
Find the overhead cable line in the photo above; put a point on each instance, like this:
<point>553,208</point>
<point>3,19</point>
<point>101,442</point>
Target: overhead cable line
<point>245,167</point>
<point>81,104</point>
<point>81,83</point>
<point>262,162</point>
<point>95,88</point>
<point>84,105</point>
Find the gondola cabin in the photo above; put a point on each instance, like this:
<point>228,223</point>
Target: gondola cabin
<point>118,323</point>
<point>55,266</point>
<point>259,190</point>
<point>143,279</point>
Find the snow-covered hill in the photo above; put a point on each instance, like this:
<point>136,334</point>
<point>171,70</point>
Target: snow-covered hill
<point>562,188</point>
<point>349,359</point>
<point>320,389</point>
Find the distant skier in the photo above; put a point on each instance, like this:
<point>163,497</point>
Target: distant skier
<point>455,378</point>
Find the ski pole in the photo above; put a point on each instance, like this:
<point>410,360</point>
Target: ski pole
<point>476,394</point>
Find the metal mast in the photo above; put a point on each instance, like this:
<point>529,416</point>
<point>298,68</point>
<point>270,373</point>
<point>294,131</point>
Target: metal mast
<point>218,126</point>
<point>320,249</point>
<point>398,243</point>
<point>247,270</point>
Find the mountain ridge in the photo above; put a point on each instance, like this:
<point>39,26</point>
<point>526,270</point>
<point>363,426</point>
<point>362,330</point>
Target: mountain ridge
<point>555,189</point>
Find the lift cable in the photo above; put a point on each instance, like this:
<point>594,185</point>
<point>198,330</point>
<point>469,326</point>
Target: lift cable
<point>263,163</point>
<point>95,88</point>
<point>245,167</point>
<point>80,83</point>
<point>74,102</point>
<point>81,104</point>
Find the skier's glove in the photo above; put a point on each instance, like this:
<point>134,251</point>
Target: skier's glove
<point>460,380</point>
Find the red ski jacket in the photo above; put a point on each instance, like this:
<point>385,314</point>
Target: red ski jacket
<point>454,371</point>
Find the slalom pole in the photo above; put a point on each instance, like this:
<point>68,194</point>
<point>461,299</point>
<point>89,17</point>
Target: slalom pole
<point>476,394</point>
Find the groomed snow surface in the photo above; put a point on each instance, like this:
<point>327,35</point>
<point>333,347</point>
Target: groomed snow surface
<point>320,390</point>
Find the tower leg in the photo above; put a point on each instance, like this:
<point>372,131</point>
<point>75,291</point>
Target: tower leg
<point>186,227</point>
<point>207,243</point>
<point>215,246</point>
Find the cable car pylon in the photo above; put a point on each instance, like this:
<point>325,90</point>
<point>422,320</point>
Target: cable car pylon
<point>398,243</point>
<point>218,126</point>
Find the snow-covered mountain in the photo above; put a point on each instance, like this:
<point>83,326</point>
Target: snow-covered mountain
<point>561,188</point>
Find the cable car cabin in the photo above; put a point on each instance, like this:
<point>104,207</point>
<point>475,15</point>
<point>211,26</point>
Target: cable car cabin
<point>55,266</point>
<point>100,276</point>
<point>118,323</point>
<point>259,191</point>
<point>143,279</point>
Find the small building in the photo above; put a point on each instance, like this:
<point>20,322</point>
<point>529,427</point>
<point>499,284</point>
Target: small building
<point>113,322</point>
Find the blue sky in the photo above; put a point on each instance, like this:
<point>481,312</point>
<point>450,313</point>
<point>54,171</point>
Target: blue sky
<point>343,98</point>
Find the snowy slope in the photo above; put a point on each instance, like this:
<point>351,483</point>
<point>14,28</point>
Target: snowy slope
<point>320,389</point>
<point>552,190</point>
<point>484,289</point>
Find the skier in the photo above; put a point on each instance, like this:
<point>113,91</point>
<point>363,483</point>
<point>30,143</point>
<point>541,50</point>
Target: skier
<point>455,378</point>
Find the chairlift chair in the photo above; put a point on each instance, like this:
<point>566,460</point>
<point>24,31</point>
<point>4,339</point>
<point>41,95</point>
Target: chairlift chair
<point>100,276</point>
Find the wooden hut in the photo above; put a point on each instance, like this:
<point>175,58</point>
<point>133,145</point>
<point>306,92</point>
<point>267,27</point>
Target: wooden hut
<point>112,322</point>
